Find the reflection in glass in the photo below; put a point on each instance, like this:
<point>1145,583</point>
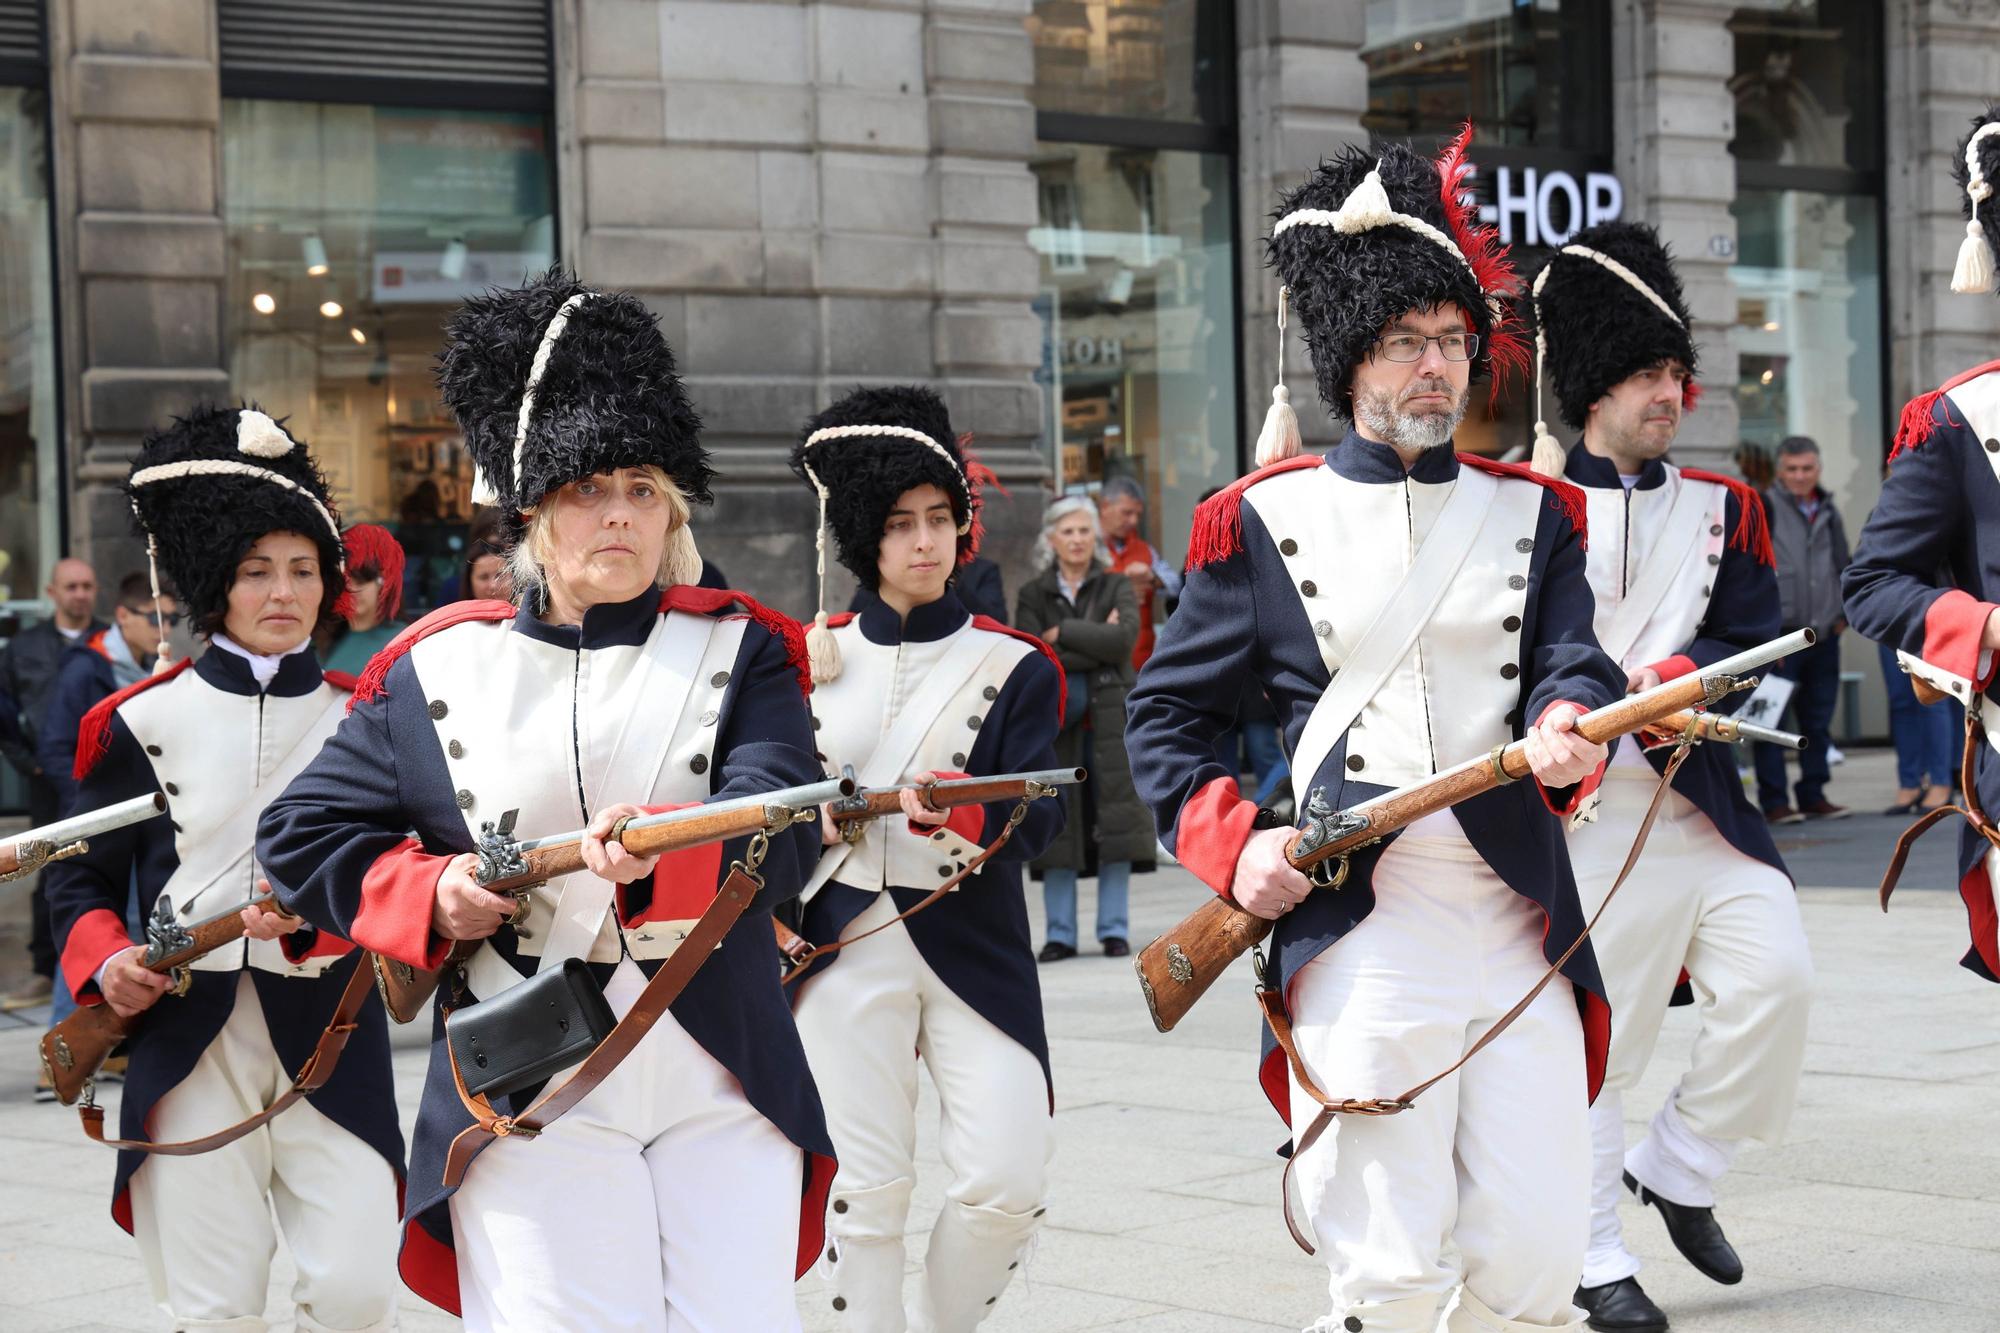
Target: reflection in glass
<point>30,503</point>
<point>353,232</point>
<point>1138,359</point>
<point>1808,84</point>
<point>1160,59</point>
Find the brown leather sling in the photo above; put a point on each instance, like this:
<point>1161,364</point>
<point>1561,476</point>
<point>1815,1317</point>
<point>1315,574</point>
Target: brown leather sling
<point>1973,811</point>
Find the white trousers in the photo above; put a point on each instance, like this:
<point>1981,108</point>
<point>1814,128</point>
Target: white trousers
<point>1492,1163</point>
<point>1692,902</point>
<point>866,1022</point>
<point>661,1202</point>
<point>204,1224</point>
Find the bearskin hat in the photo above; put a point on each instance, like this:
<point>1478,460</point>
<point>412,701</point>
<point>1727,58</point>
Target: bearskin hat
<point>1376,233</point>
<point>1597,325</point>
<point>1975,167</point>
<point>552,382</point>
<point>208,486</point>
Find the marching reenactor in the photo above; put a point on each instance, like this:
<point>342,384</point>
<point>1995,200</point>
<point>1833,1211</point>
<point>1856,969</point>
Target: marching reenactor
<point>1406,608</point>
<point>909,688</point>
<point>237,515</point>
<point>1681,569</point>
<point>685,1189</point>
<point>1925,578</point>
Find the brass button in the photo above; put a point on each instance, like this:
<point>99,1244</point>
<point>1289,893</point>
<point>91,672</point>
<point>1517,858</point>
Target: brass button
<point>1511,624</point>
<point>1525,545</point>
<point>1016,1264</point>
<point>973,721</point>
<point>699,763</point>
<point>1323,628</point>
<point>840,1302</point>
<point>991,1299</point>
<point>1704,592</point>
<point>172,790</point>
<point>152,749</point>
<point>958,761</point>
<point>1993,446</point>
<point>464,799</point>
<point>708,717</point>
<point>1715,560</point>
<point>1040,1211</point>
<point>1510,670</point>
<point>1715,529</point>
<point>1517,582</point>
<point>1355,763</point>
<point>944,872</point>
<point>1513,718</point>
<point>1309,588</point>
<point>719,679</point>
<point>832,1255</point>
<point>1288,547</point>
<point>990,693</point>
<point>438,708</point>
<point>815,722</point>
<point>455,750</point>
<point>1352,1324</point>
<point>840,1205</point>
<point>938,836</point>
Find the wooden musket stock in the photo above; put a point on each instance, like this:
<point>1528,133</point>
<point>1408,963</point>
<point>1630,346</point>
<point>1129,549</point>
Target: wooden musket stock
<point>1177,969</point>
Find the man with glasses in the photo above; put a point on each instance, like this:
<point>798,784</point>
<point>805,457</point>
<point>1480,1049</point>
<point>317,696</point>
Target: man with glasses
<point>1475,1194</point>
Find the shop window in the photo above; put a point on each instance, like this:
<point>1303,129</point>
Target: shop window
<point>1151,59</point>
<point>353,233</point>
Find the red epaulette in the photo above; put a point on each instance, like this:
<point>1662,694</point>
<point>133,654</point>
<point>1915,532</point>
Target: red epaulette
<point>1919,420</point>
<point>711,601</point>
<point>375,675</point>
<point>835,622</point>
<point>341,680</point>
<point>93,734</point>
<point>1753,526</point>
<point>1568,496</point>
<point>1217,530</point>
<point>1062,677</point>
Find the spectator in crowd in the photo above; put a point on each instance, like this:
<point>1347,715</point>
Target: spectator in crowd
<point>375,598</point>
<point>1811,544</point>
<point>28,667</point>
<point>1120,507</point>
<point>1090,616</point>
<point>486,577</point>
<point>98,666</point>
<point>1929,741</point>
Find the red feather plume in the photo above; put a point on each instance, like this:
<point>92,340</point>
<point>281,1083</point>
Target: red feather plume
<point>1488,258</point>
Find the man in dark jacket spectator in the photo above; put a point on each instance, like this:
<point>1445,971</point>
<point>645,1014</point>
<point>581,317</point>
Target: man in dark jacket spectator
<point>97,667</point>
<point>27,676</point>
<point>1811,543</point>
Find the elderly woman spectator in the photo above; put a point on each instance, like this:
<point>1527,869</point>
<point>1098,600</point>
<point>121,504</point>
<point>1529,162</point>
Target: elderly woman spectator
<point>1090,616</point>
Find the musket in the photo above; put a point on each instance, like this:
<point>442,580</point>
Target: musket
<point>25,853</point>
<point>74,1049</point>
<point>1730,731</point>
<point>1177,969</point>
<point>514,867</point>
<point>853,813</point>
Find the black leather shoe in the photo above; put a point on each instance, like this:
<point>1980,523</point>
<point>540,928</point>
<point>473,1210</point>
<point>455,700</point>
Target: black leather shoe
<point>1053,952</point>
<point>1696,1234</point>
<point>1115,947</point>
<point>1622,1305</point>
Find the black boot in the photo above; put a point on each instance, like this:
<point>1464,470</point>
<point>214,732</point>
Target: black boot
<point>1622,1305</point>
<point>1696,1234</point>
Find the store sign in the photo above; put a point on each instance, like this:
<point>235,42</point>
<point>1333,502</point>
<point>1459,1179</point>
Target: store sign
<point>1078,353</point>
<point>1547,206</point>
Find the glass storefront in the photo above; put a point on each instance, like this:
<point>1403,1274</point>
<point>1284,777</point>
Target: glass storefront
<point>353,232</point>
<point>31,503</point>
<point>1161,59</point>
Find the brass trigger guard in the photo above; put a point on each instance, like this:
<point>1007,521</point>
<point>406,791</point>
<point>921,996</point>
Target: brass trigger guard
<point>1330,873</point>
<point>183,981</point>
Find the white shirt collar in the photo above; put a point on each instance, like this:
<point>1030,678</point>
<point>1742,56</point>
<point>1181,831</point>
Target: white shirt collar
<point>262,667</point>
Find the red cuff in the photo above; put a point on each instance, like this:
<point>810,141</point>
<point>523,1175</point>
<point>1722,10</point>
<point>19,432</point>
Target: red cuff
<point>684,882</point>
<point>1211,831</point>
<point>967,821</point>
<point>397,894</point>
<point>1954,627</point>
<point>1673,668</point>
<point>97,935</point>
<point>313,943</point>
<point>1582,789</point>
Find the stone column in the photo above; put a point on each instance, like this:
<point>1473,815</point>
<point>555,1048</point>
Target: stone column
<point>1673,118</point>
<point>135,107</point>
<point>1301,91</point>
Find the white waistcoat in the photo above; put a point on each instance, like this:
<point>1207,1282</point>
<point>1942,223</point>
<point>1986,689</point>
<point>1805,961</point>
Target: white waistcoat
<point>1346,546</point>
<point>210,749</point>
<point>556,735</point>
<point>1978,404</point>
<point>855,712</point>
<point>1631,529</point>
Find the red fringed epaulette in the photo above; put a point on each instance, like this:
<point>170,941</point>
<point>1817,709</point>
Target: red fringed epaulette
<point>1217,530</point>
<point>1062,677</point>
<point>1753,524</point>
<point>710,601</point>
<point>1567,496</point>
<point>374,676</point>
<point>341,680</point>
<point>1920,419</point>
<point>836,621</point>
<point>93,734</point>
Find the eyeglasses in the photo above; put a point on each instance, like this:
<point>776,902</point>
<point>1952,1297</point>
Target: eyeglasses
<point>1407,347</point>
<point>168,619</point>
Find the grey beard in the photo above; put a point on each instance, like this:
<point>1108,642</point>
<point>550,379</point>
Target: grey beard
<point>1403,430</point>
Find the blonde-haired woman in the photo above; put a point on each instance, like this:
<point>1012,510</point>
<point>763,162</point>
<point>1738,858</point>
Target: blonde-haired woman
<point>684,1191</point>
<point>1090,616</point>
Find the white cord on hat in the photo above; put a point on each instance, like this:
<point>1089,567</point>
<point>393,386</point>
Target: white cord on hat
<point>1974,272</point>
<point>483,490</point>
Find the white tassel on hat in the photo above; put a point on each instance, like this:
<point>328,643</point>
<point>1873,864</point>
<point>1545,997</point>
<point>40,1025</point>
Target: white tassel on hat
<point>1973,274</point>
<point>822,649</point>
<point>1279,439</point>
<point>1550,458</point>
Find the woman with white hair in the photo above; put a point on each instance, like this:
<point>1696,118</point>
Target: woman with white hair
<point>1090,616</point>
<point>685,1190</point>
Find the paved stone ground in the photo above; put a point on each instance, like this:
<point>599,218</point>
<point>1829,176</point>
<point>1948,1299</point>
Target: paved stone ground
<point>1880,1212</point>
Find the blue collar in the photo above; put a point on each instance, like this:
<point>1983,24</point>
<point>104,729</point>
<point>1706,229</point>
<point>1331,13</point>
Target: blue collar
<point>298,674</point>
<point>926,624</point>
<point>1359,459</point>
<point>1587,469</point>
<point>606,625</point>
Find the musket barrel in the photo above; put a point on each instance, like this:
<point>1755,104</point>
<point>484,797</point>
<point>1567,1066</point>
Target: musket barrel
<point>1762,655</point>
<point>93,822</point>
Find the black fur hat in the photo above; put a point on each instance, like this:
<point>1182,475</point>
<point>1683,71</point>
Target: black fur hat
<point>1975,167</point>
<point>1343,285</point>
<point>1599,328</point>
<point>205,488</point>
<point>606,394</point>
